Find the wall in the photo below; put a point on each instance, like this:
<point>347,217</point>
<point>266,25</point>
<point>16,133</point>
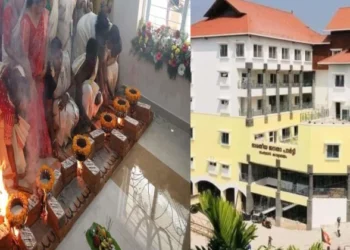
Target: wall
<point>338,94</point>
<point>171,95</point>
<point>321,214</point>
<point>207,64</point>
<point>321,88</point>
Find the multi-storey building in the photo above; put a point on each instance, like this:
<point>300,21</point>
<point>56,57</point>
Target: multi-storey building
<point>270,112</point>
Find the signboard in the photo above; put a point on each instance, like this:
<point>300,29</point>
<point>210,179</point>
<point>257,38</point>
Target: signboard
<point>274,151</point>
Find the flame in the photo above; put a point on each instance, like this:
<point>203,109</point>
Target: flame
<point>120,121</point>
<point>15,231</point>
<point>3,193</point>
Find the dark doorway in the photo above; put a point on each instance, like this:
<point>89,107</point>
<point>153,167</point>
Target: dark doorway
<point>230,195</point>
<point>205,185</point>
<point>337,110</point>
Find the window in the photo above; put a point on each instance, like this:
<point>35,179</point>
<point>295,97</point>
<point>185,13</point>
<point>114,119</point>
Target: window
<point>260,78</point>
<point>308,56</point>
<point>345,115</point>
<point>296,78</point>
<point>272,52</point>
<point>259,137</point>
<point>225,138</point>
<point>297,55</point>
<point>223,50</point>
<point>192,166</point>
<point>273,78</point>
<point>335,51</point>
<point>259,104</point>
<point>225,169</point>
<point>212,167</point>
<point>175,14</point>
<point>296,131</point>
<point>224,74</point>
<point>333,151</point>
<point>258,51</point>
<point>272,136</point>
<point>191,134</point>
<point>285,78</point>
<point>339,80</point>
<point>285,133</point>
<point>224,105</point>
<point>239,50</point>
<point>296,100</point>
<point>285,54</point>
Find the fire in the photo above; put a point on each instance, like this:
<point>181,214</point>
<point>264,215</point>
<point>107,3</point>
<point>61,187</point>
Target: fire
<point>120,121</point>
<point>3,193</point>
<point>15,231</point>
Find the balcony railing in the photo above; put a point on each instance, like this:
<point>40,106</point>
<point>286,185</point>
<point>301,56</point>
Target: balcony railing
<point>330,192</point>
<point>307,105</point>
<point>255,85</point>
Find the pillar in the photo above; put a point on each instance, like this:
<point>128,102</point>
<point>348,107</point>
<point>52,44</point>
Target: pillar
<point>264,93</point>
<point>249,198</point>
<point>290,96</point>
<point>348,197</point>
<point>195,188</point>
<point>313,89</point>
<point>301,74</point>
<point>278,194</point>
<point>278,104</point>
<point>309,201</point>
<point>249,119</point>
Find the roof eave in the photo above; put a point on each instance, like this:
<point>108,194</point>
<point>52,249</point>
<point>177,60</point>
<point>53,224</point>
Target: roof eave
<point>254,34</point>
<point>333,63</point>
<point>332,30</point>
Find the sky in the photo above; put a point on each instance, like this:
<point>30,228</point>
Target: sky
<point>314,13</point>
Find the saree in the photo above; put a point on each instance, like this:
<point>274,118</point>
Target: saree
<point>112,77</point>
<point>10,19</point>
<point>53,20</point>
<point>34,45</point>
<point>67,118</point>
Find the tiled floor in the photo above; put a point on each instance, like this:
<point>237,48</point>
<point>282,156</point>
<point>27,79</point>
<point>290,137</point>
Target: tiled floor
<point>146,200</point>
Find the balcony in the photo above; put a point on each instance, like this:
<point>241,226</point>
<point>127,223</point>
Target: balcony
<point>243,84</point>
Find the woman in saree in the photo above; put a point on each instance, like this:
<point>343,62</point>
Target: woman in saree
<point>11,17</point>
<point>34,38</point>
<point>11,143</point>
<point>63,113</point>
<point>114,45</point>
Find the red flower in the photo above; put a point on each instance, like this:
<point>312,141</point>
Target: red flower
<point>187,63</point>
<point>177,34</point>
<point>159,56</point>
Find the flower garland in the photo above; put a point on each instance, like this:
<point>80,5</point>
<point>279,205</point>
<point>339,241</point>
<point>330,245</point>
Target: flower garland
<point>81,145</point>
<point>133,95</point>
<point>45,172</point>
<point>161,45</point>
<point>121,105</point>
<point>108,121</point>
<point>18,219</point>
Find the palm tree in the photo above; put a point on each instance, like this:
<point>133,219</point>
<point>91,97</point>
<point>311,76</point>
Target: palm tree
<point>292,248</point>
<point>317,246</point>
<point>270,248</point>
<point>230,232</point>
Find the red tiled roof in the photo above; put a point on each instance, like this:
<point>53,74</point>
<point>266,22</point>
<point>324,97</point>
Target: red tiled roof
<point>340,21</point>
<point>340,58</point>
<point>259,20</point>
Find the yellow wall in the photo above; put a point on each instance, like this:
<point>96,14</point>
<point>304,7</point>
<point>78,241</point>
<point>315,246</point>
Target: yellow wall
<point>310,148</point>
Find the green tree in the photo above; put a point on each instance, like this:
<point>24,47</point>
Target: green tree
<point>317,246</point>
<point>230,232</point>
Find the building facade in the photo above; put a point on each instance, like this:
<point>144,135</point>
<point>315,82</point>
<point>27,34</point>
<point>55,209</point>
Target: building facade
<point>270,113</point>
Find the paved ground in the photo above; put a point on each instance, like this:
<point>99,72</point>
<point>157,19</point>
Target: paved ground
<point>284,237</point>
